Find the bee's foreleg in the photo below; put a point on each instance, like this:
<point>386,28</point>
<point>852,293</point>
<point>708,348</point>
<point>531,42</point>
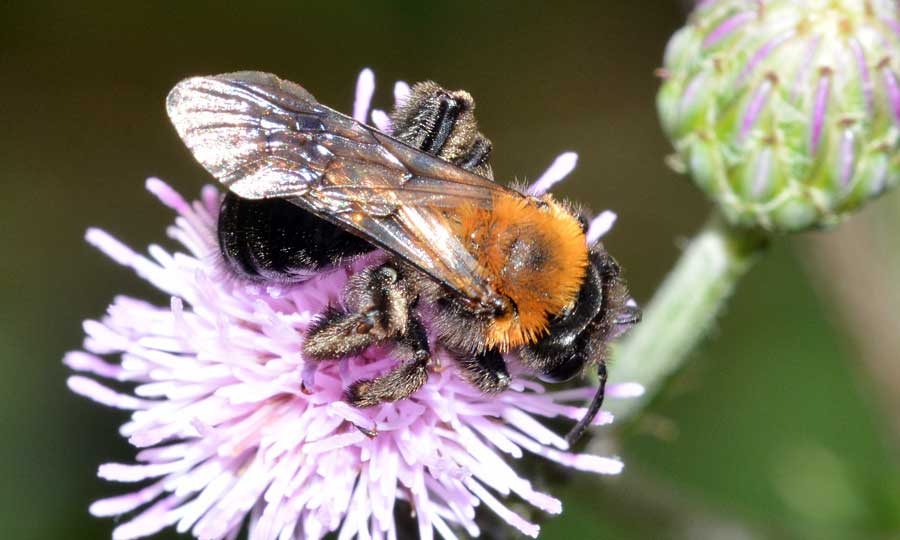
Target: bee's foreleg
<point>485,371</point>
<point>404,378</point>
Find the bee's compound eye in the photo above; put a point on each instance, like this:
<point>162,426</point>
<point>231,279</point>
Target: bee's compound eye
<point>569,367</point>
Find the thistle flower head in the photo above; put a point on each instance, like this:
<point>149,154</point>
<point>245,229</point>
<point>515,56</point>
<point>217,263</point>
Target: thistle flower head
<point>786,112</point>
<point>233,425</point>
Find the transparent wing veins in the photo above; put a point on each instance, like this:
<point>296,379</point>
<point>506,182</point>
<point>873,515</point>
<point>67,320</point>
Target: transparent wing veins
<point>263,137</point>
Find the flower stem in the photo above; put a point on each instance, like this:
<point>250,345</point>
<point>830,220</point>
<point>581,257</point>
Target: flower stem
<point>683,309</point>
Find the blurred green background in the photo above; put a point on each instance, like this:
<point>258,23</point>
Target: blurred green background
<point>786,423</point>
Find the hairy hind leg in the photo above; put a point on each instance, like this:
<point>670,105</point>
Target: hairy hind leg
<point>377,303</point>
<point>403,379</point>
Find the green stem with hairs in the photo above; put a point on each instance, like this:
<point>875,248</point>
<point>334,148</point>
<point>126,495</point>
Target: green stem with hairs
<point>683,310</point>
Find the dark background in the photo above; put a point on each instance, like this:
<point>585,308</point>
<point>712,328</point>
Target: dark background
<point>784,425</point>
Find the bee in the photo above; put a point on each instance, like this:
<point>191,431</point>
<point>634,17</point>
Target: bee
<point>492,269</point>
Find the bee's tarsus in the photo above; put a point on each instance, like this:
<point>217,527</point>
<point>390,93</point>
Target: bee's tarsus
<point>370,433</point>
<point>398,383</point>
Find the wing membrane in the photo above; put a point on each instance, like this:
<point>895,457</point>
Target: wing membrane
<point>263,137</point>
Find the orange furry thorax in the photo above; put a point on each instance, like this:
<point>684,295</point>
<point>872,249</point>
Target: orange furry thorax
<point>534,253</point>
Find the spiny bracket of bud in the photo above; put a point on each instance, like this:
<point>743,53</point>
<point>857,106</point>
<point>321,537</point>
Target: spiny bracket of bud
<point>786,112</point>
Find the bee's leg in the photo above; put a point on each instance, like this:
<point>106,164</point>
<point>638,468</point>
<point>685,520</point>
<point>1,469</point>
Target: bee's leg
<point>404,378</point>
<point>339,334</point>
<point>378,301</point>
<point>485,371</point>
<point>477,157</point>
<point>442,123</point>
<point>428,117</point>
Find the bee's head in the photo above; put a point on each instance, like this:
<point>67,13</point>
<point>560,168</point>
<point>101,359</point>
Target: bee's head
<point>578,337</point>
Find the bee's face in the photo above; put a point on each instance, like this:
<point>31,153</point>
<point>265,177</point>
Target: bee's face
<point>577,337</point>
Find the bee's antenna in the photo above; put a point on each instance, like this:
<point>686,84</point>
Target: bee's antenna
<point>594,408</point>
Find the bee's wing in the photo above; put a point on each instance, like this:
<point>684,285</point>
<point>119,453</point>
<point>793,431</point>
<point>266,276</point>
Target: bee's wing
<point>263,137</point>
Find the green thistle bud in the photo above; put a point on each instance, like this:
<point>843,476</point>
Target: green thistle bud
<point>786,112</point>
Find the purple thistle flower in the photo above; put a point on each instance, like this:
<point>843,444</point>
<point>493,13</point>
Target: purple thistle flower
<point>233,424</point>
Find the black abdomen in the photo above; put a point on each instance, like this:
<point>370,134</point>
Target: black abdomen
<point>272,239</point>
